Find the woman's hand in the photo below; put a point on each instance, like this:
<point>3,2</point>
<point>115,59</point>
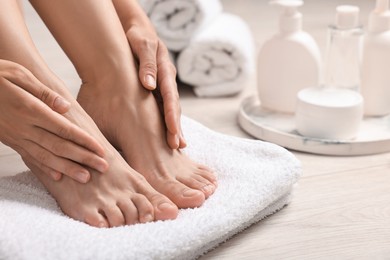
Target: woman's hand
<point>40,135</point>
<point>154,63</point>
<point>156,70</point>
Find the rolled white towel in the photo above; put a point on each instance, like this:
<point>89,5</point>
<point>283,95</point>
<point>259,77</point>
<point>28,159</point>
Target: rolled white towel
<point>219,59</point>
<point>176,21</point>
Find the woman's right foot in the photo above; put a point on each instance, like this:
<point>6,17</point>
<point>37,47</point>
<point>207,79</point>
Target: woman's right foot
<point>119,196</point>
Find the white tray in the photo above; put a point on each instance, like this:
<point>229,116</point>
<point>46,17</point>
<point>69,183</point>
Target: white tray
<point>279,128</point>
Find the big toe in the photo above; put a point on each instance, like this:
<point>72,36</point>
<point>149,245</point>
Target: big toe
<point>164,209</point>
<point>182,195</point>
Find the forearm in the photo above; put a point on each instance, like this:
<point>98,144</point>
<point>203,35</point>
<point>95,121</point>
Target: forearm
<point>15,42</point>
<point>89,32</point>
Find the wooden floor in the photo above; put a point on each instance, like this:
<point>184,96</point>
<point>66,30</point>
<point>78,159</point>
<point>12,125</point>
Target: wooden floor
<point>341,207</point>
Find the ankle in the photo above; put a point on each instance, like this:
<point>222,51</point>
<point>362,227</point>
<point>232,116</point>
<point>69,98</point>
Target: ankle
<point>107,70</point>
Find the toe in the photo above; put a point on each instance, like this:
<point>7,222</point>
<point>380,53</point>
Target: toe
<point>203,184</point>
<point>95,219</point>
<point>114,215</point>
<point>182,195</point>
<point>207,174</point>
<point>144,208</point>
<point>129,211</point>
<point>199,183</point>
<point>164,208</point>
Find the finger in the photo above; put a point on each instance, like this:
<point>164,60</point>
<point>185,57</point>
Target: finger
<point>146,51</point>
<point>55,175</point>
<point>24,79</point>
<point>28,160</point>
<point>172,112</point>
<point>182,140</point>
<point>68,150</point>
<point>45,118</point>
<point>173,140</point>
<point>65,129</point>
<point>169,92</point>
<point>50,160</point>
<point>170,96</point>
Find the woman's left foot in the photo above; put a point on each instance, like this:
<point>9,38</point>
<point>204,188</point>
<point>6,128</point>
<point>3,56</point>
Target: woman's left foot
<point>131,121</point>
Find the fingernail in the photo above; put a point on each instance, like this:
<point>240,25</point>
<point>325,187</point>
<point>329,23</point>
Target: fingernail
<point>165,205</point>
<point>82,177</point>
<point>56,175</point>
<point>61,104</point>
<point>102,165</point>
<point>177,141</point>
<point>150,81</point>
<point>208,188</point>
<point>147,218</point>
<point>183,140</point>
<point>190,193</point>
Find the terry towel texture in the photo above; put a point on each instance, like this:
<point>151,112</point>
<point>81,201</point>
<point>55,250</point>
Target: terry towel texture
<point>220,59</point>
<point>255,179</point>
<point>176,21</point>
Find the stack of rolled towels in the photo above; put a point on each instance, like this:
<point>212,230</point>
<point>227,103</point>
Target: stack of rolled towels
<point>215,50</point>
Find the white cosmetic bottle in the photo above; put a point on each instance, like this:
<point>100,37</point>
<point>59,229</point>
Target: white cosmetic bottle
<point>343,54</point>
<point>375,82</point>
<point>288,62</point>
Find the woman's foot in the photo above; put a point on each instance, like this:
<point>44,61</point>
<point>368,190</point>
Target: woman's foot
<point>130,119</point>
<point>119,196</point>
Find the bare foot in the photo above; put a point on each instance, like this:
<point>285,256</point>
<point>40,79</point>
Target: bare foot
<point>129,117</point>
<point>116,197</point>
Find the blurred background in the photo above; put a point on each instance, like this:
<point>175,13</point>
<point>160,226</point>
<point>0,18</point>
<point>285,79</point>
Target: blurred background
<point>216,113</point>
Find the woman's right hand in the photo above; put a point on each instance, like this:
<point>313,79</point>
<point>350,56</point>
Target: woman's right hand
<point>31,123</point>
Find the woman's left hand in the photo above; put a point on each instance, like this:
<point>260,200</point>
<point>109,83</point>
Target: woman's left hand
<point>156,71</point>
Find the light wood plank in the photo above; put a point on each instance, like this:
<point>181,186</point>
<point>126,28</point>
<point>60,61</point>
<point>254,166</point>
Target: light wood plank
<point>343,217</point>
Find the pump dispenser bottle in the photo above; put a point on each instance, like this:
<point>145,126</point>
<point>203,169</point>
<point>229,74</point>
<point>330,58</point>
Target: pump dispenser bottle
<point>375,75</point>
<point>288,62</point>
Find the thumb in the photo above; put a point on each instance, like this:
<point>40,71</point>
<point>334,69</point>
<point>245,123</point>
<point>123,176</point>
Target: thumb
<point>148,69</point>
<point>146,51</point>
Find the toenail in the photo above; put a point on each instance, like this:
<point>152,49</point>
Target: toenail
<point>208,188</point>
<point>190,193</point>
<point>165,205</point>
<point>147,218</point>
<point>102,225</point>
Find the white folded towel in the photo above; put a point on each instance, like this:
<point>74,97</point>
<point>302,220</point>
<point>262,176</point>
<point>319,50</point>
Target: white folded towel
<point>255,180</point>
<point>219,59</point>
<point>176,21</point>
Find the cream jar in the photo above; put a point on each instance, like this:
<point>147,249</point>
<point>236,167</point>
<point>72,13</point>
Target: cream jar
<point>329,113</point>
